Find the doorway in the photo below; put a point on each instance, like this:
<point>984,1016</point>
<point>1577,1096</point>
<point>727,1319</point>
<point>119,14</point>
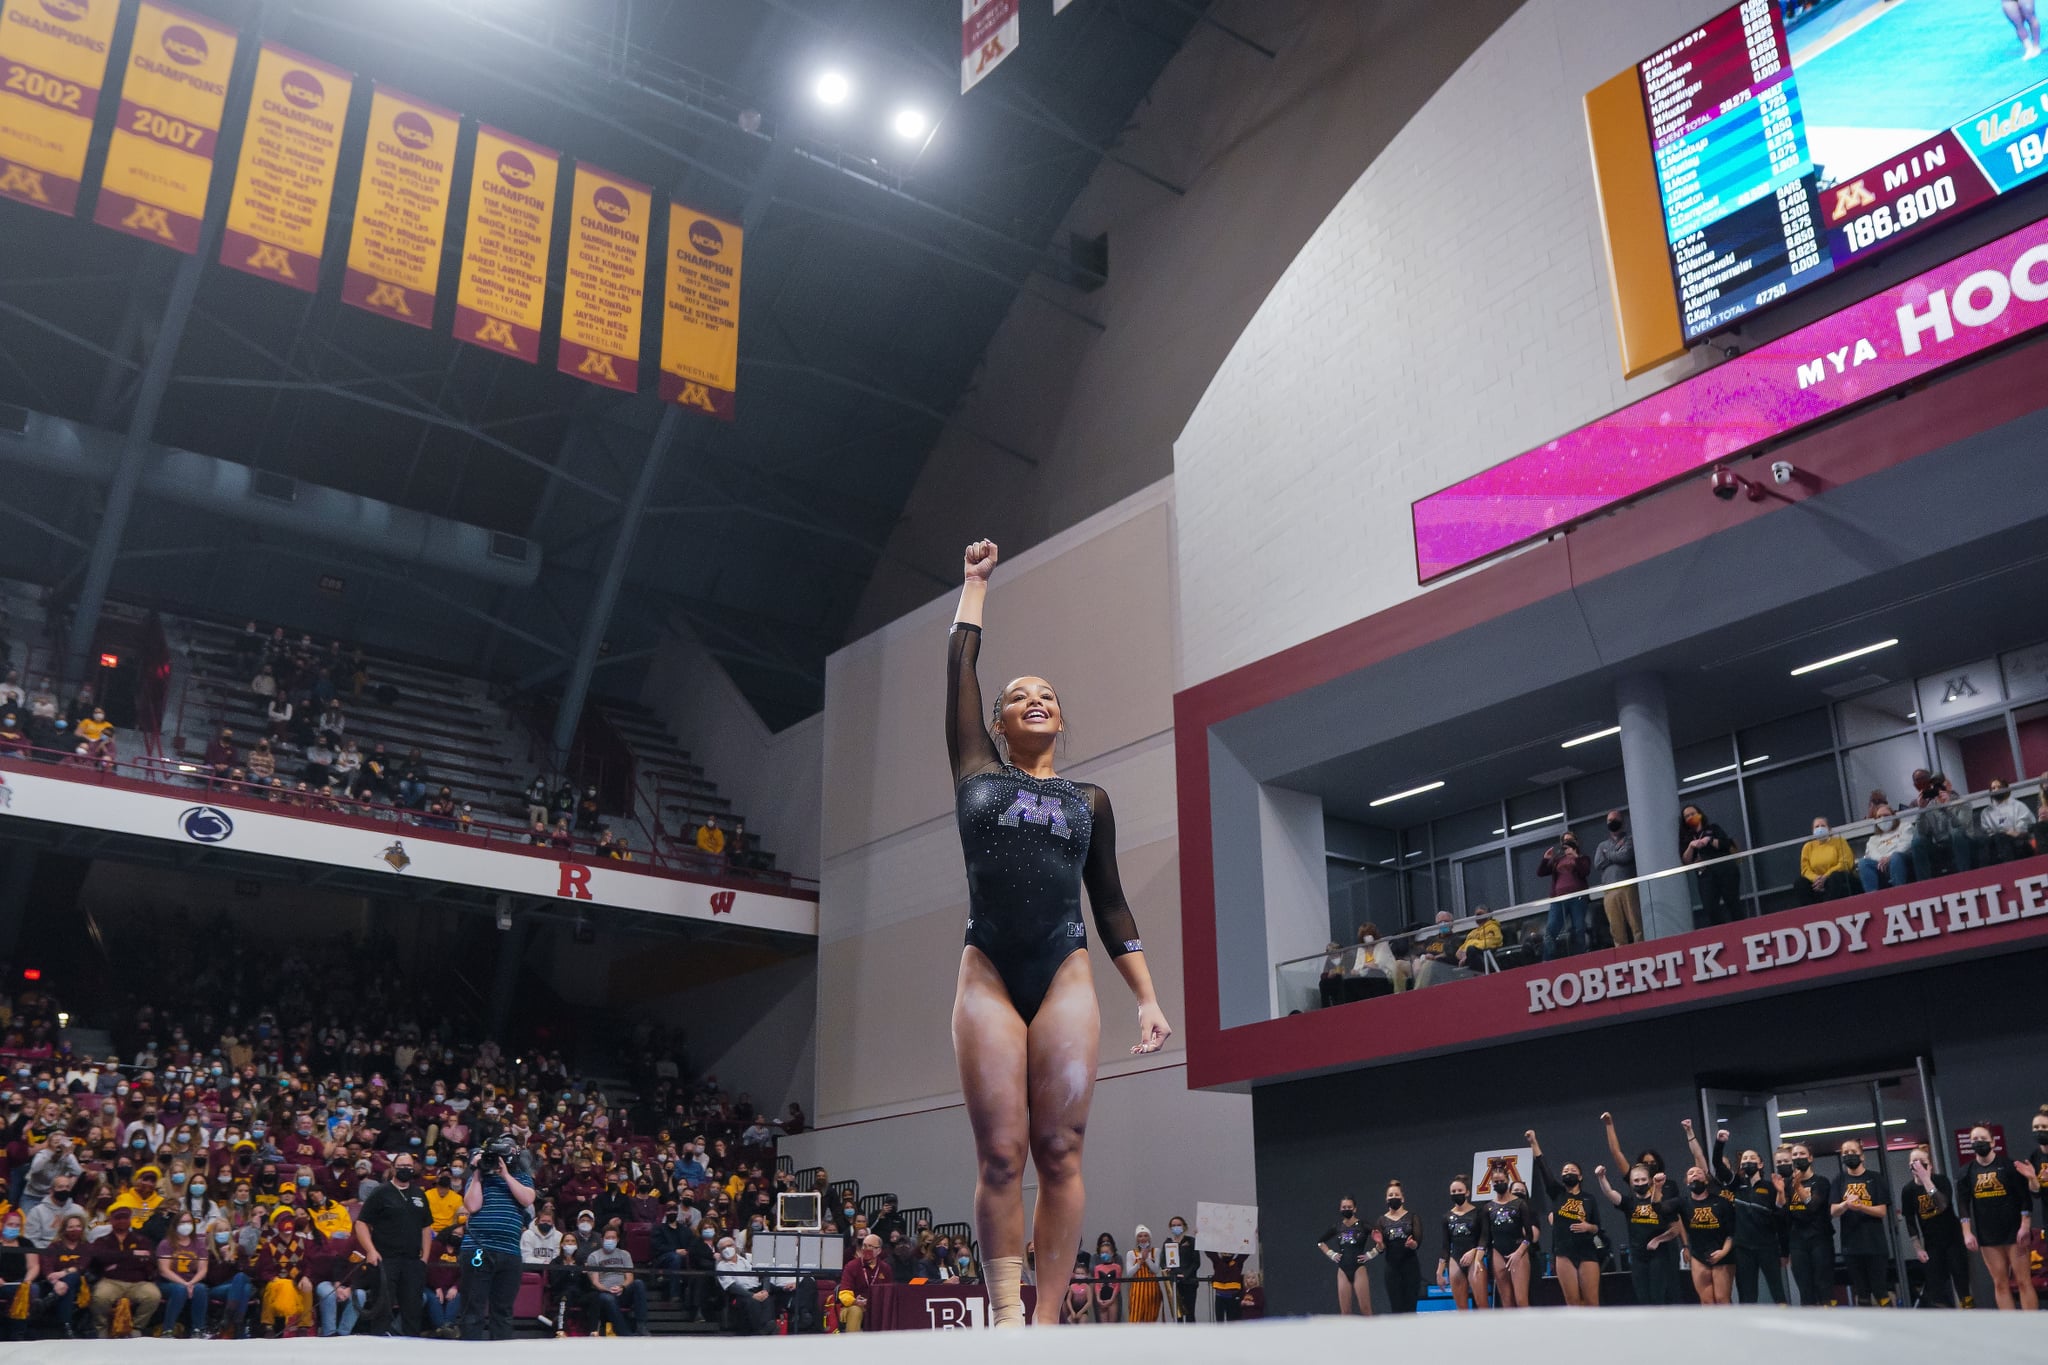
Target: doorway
<point>1888,1112</point>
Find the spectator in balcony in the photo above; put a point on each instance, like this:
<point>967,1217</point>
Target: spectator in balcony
<point>1615,861</point>
<point>589,819</point>
<point>2007,828</point>
<point>42,714</point>
<point>441,812</point>
<point>412,781</point>
<point>1439,942</point>
<point>759,1134</point>
<point>348,767</point>
<point>563,803</point>
<point>262,763</point>
<point>220,755</point>
<point>1827,869</point>
<point>537,835</point>
<point>333,724</point>
<point>12,694</point>
<point>537,800</point>
<point>319,769</point>
<point>737,855</point>
<point>1887,857</point>
<point>82,702</point>
<point>1484,938</point>
<point>1941,830</point>
<point>94,728</point>
<point>465,820</point>
<point>264,684</point>
<point>1569,871</point>
<point>710,838</point>
<point>13,739</point>
<point>279,713</point>
<point>1700,840</point>
<point>374,778</point>
<point>562,839</point>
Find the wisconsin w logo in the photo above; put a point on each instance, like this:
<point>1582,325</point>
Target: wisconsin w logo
<point>494,332</point>
<point>23,183</point>
<point>274,259</point>
<point>721,902</point>
<point>389,296</point>
<point>1029,808</point>
<point>149,218</point>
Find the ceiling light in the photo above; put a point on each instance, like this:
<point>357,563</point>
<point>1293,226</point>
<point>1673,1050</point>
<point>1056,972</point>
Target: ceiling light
<point>1843,658</point>
<point>1588,739</point>
<point>1402,796</point>
<point>1790,1113</point>
<point>1539,820</point>
<point>832,88</point>
<point>910,124</point>
<point>1839,1128</point>
<point>1728,768</point>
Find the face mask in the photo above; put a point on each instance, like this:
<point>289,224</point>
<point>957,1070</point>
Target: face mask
<point>304,1181</point>
<point>1851,1160</point>
<point>1802,1163</point>
<point>2041,1137</point>
<point>1393,1201</point>
<point>401,1175</point>
<point>585,1226</point>
<point>1347,1213</point>
<point>1570,1180</point>
<point>220,1239</point>
<point>708,1235</point>
<point>1750,1168</point>
<point>184,1229</point>
<point>1457,1196</point>
<point>1500,1189</point>
<point>1176,1229</point>
<point>1641,1187</point>
<point>1100,1256</point>
<point>1697,1186</point>
<point>611,1243</point>
<point>1982,1147</point>
<point>13,1230</point>
<point>1999,793</point>
<point>177,1177</point>
<point>569,1250</point>
<point>1614,825</point>
<point>1784,1168</point>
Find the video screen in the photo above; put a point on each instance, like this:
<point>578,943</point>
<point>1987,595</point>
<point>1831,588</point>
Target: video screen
<point>1794,137</point>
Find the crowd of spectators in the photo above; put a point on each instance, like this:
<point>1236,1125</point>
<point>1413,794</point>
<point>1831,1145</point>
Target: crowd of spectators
<point>1935,834</point>
<point>36,723</point>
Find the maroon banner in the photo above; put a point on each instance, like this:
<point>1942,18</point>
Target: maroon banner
<point>932,1307</point>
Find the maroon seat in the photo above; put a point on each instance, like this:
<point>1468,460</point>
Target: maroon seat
<point>532,1295</point>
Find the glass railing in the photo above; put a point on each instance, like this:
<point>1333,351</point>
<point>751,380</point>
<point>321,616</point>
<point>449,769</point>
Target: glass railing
<point>1766,879</point>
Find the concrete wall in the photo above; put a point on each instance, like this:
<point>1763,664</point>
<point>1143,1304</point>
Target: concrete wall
<point>1451,311</point>
<point>1264,148</point>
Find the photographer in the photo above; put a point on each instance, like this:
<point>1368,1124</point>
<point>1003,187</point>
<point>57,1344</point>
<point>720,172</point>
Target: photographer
<point>499,1198</point>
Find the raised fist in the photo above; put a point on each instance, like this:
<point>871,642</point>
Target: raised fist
<point>980,561</point>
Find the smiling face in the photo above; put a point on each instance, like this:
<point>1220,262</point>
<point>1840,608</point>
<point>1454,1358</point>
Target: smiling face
<point>1028,713</point>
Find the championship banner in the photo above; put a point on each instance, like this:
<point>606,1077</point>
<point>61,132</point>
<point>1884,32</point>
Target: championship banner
<point>503,286</point>
<point>988,33</point>
<point>700,333</point>
<point>160,161</point>
<point>604,279</point>
<point>394,254</point>
<point>291,144</point>
<point>53,61</point>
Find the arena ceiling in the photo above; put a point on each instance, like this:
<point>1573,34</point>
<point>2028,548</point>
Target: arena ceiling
<point>876,273</point>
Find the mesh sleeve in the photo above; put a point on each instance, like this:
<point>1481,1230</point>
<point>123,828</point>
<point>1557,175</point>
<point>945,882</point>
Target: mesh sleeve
<point>1113,919</point>
<point>967,743</point>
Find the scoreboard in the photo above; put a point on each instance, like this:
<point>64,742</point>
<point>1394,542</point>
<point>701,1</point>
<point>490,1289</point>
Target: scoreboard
<point>1753,210</point>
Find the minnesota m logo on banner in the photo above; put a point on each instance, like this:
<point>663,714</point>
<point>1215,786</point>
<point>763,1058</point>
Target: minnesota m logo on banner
<point>271,260</point>
<point>598,364</point>
<point>149,218</point>
<point>697,396</point>
<point>388,295</point>
<point>23,183</point>
<point>495,332</point>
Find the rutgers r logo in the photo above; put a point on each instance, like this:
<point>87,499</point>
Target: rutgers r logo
<point>721,902</point>
<point>1852,196</point>
<point>599,364</point>
<point>149,218</point>
<point>274,259</point>
<point>495,332</point>
<point>23,183</point>
<point>390,296</point>
<point>952,1315</point>
<point>575,882</point>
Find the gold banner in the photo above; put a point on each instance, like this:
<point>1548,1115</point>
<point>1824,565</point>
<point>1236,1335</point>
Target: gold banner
<point>700,331</point>
<point>604,279</point>
<point>53,62</point>
<point>503,288</point>
<point>394,255</point>
<point>160,160</point>
<point>291,143</point>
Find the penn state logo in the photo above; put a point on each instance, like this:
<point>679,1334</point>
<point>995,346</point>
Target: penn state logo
<point>303,89</point>
<point>610,204</point>
<point>185,46</point>
<point>413,130</point>
<point>706,237</point>
<point>515,170</point>
<point>206,824</point>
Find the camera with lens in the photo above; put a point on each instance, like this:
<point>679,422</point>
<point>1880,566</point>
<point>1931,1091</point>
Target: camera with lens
<point>503,1147</point>
<point>1727,484</point>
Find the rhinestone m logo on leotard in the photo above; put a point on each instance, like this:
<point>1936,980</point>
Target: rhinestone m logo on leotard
<point>1029,808</point>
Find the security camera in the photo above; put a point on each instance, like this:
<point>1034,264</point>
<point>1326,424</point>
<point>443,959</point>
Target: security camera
<point>1726,483</point>
<point>1782,472</point>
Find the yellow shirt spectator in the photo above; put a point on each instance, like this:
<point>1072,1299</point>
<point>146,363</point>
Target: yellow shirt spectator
<point>92,729</point>
<point>331,1219</point>
<point>1484,938</point>
<point>444,1205</point>
<point>1824,855</point>
<point>710,839</point>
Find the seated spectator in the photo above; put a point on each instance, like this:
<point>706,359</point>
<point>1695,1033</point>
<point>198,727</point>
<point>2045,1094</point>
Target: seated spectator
<point>1827,869</point>
<point>123,1261</point>
<point>412,781</point>
<point>589,819</point>
<point>562,838</point>
<point>563,802</point>
<point>374,779</point>
<point>1484,938</point>
<point>282,1252</point>
<point>537,800</point>
<point>619,1297</point>
<point>182,1265</point>
<point>319,769</point>
<point>710,838</point>
<point>538,834</point>
<point>43,721</point>
<point>465,820</point>
<point>1439,942</point>
<point>748,1295</point>
<point>794,1121</point>
<point>2007,829</point>
<point>333,724</point>
<point>264,684</point>
<point>12,694</point>
<point>758,1133</point>
<point>94,727</point>
<point>1942,829</point>
<point>1330,981</point>
<point>65,1263</point>
<point>1887,857</point>
<point>280,712</point>
<point>441,810</point>
<point>348,763</point>
<point>13,739</point>
<point>541,1243</point>
<point>262,763</point>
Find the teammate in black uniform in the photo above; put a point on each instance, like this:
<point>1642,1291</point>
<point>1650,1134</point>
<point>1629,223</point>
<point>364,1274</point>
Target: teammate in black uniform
<point>1349,1245</point>
<point>1510,1228</point>
<point>1671,1273</point>
<point>1758,1210</point>
<point>1025,1021</point>
<point>1462,1267</point>
<point>1652,1226</point>
<point>1863,1204</point>
<point>1399,1230</point>
<point>1812,1242</point>
<point>1996,1220</point>
<point>1576,1246</point>
<point>1709,1221</point>
<point>1928,1203</point>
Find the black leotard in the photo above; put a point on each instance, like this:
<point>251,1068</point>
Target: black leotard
<point>1031,844</point>
<point>1395,1230</point>
<point>1509,1224</point>
<point>1353,1245</point>
<point>1463,1231</point>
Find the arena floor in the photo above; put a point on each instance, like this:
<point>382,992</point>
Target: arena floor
<point>1670,1336</point>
